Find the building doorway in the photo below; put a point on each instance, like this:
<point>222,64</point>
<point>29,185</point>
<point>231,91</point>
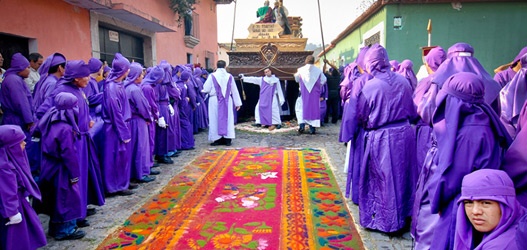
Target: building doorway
<point>10,45</point>
<point>113,41</point>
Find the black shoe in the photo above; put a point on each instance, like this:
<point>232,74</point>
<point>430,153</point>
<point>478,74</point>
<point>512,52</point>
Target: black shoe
<point>90,211</point>
<point>165,160</point>
<point>312,130</point>
<point>175,154</point>
<point>155,165</point>
<point>301,128</point>
<point>83,223</point>
<point>77,234</point>
<point>256,125</point>
<point>334,121</point>
<point>228,143</point>
<point>147,179</point>
<point>278,126</point>
<point>154,172</point>
<point>215,144</point>
<point>125,193</point>
<point>133,186</point>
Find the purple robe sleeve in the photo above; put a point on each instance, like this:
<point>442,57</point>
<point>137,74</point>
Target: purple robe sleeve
<point>113,107</point>
<point>174,92</point>
<point>141,104</point>
<point>68,151</point>
<point>151,98</point>
<point>19,100</point>
<point>8,192</point>
<point>191,93</point>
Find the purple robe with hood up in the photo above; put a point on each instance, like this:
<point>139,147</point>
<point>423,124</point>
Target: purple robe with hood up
<point>505,76</point>
<point>116,114</point>
<point>200,114</point>
<point>469,137</point>
<point>16,184</point>
<point>90,182</point>
<point>186,106</point>
<point>494,185</point>
<point>139,146</point>
<point>48,82</point>
<point>512,97</point>
<point>169,95</point>
<point>388,172</point>
<point>154,77</point>
<point>60,169</point>
<point>406,70</point>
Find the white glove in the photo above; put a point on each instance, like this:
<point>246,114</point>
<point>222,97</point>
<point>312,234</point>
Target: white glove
<point>171,110</point>
<point>15,219</point>
<point>161,122</point>
<point>27,199</point>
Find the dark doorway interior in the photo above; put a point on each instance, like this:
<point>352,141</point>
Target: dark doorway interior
<point>113,41</point>
<point>9,45</point>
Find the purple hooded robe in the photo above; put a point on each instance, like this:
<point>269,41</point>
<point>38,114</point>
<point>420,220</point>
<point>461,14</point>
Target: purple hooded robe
<point>92,90</point>
<point>16,183</point>
<point>495,185</point>
<point>505,76</point>
<point>169,95</point>
<point>469,137</point>
<point>154,77</point>
<point>48,82</point>
<point>116,113</point>
<point>406,70</point>
<point>387,179</point>
<point>324,94</point>
<point>90,182</point>
<point>139,146</point>
<point>515,160</point>
<point>512,96</point>
<point>394,65</point>
<point>460,59</point>
<point>423,221</point>
<point>186,106</point>
<point>61,199</point>
<point>200,114</point>
<point>351,72</point>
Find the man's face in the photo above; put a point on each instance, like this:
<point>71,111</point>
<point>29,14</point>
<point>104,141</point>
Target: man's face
<point>24,73</point>
<point>483,214</point>
<point>81,82</point>
<point>36,65</point>
<point>268,72</point>
<point>1,60</point>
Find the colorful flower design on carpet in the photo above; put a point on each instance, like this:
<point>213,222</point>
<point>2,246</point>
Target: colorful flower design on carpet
<point>250,198</point>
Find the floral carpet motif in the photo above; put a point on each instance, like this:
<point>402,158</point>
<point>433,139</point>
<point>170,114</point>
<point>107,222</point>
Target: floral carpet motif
<point>249,198</point>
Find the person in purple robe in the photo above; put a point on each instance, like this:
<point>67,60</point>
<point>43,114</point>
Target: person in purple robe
<point>406,70</point>
<point>488,214</point>
<point>384,173</point>
<point>351,72</point>
<point>161,133</point>
<point>105,71</point>
<point>469,137</point>
<point>521,232</point>
<point>60,170</point>
<point>200,114</point>
<point>116,114</point>
<point>92,90</point>
<point>394,65</point>
<point>271,99</point>
<point>223,95</point>
<point>324,94</point>
<point>512,96</point>
<point>20,227</point>
<point>152,78</point>
<point>423,221</point>
<point>352,133</point>
<point>186,106</point>
<point>76,77</point>
<point>460,58</point>
<point>169,110</point>
<point>505,73</point>
<point>515,160</point>
<point>54,69</point>
<point>310,80</point>
<point>139,146</point>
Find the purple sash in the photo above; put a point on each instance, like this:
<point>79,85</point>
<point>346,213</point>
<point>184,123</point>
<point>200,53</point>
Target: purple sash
<point>266,102</point>
<point>223,106</point>
<point>310,101</point>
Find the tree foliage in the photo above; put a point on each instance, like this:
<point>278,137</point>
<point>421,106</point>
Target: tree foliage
<point>182,8</point>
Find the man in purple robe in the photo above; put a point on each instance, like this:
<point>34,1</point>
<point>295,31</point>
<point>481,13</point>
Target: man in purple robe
<point>267,110</point>
<point>15,96</point>
<point>92,90</point>
<point>116,114</point>
<point>505,73</point>
<point>423,221</point>
<point>153,77</point>
<point>512,96</point>
<point>186,106</point>
<point>170,135</point>
<point>406,70</point>
<point>54,69</point>
<point>20,227</point>
<point>60,170</point>
<point>488,212</point>
<point>384,110</point>
<point>223,95</point>
<point>76,77</point>
<point>200,114</point>
<point>139,146</point>
<point>310,80</point>
<point>469,137</point>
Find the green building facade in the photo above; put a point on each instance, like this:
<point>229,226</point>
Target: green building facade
<point>494,28</point>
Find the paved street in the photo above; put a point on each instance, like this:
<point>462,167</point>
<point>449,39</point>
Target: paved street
<point>117,209</point>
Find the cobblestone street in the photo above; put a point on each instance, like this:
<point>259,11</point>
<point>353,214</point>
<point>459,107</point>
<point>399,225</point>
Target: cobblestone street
<point>118,209</point>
